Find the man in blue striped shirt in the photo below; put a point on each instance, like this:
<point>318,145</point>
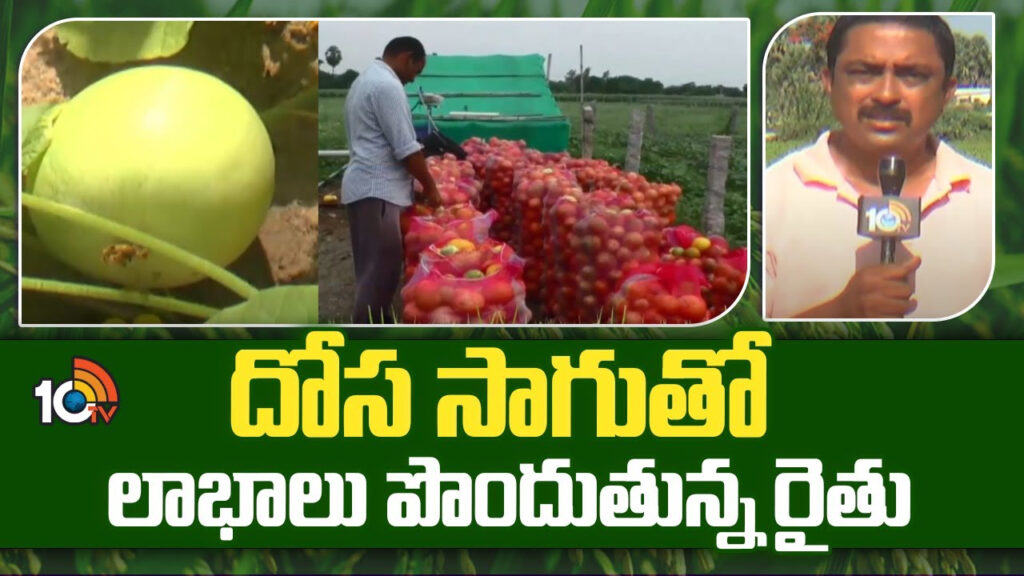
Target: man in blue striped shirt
<point>378,182</point>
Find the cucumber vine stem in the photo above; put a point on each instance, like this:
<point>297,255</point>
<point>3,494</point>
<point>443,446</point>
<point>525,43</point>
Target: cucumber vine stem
<point>129,234</point>
<point>118,295</point>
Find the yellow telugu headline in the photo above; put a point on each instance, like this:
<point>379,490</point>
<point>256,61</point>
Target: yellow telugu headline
<point>315,405</point>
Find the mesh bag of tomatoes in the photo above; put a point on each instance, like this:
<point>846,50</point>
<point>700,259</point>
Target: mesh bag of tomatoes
<point>630,185</point>
<point>456,180</point>
<point>662,293</point>
<point>481,156</point>
<point>477,151</point>
<point>562,256</point>
<point>464,191</point>
<point>562,213</point>
<point>593,174</point>
<point>610,243</point>
<point>662,199</point>
<point>560,159</point>
<point>535,186</point>
<point>726,267</point>
<point>421,210</point>
<point>499,184</point>
<point>462,282</point>
<point>446,224</point>
<point>686,242</point>
<point>727,277</point>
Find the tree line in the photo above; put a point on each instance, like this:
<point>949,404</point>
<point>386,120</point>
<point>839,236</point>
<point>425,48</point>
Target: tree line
<point>604,84</point>
<point>626,84</point>
<point>569,84</point>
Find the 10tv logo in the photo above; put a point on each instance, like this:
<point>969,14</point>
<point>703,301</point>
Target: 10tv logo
<point>90,395</point>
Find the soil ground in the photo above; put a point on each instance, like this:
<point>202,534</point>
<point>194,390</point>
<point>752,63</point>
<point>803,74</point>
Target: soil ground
<point>337,274</point>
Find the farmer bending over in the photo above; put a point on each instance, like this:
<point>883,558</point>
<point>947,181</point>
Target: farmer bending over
<point>378,183</point>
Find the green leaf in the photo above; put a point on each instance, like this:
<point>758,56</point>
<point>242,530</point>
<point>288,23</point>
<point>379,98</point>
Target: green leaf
<point>1009,271</point>
<point>505,9</point>
<point>30,116</point>
<point>34,563</point>
<point>598,8</point>
<point>551,560</point>
<point>277,305</point>
<point>963,5</point>
<point>240,8</point>
<point>691,8</point>
<point>83,561</point>
<point>116,42</point>
<point>607,567</point>
<point>6,18</point>
<point>624,10</point>
<point>247,563</point>
<point>36,131</point>
<point>302,106</point>
<point>157,561</point>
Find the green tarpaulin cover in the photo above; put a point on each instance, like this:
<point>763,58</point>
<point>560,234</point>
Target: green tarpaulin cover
<point>515,88</point>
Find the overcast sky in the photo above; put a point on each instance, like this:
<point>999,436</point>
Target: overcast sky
<point>673,52</point>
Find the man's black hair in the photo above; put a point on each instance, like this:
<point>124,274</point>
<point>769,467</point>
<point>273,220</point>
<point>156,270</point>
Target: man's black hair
<point>404,44</point>
<point>934,25</point>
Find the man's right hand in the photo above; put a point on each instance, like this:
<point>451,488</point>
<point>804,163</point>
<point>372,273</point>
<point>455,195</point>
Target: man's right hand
<point>431,196</point>
<point>879,292</point>
<point>416,164</point>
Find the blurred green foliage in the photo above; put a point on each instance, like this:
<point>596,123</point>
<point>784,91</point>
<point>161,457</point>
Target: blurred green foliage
<point>997,315</point>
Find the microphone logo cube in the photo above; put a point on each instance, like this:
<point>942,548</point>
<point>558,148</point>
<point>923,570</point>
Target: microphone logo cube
<point>888,217</point>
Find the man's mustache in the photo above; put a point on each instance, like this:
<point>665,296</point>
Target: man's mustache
<point>884,114</point>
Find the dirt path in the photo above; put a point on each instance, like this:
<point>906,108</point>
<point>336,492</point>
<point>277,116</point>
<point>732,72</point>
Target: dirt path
<point>337,275</point>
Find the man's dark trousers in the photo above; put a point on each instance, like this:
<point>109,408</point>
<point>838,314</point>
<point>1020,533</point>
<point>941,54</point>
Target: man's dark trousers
<point>378,255</point>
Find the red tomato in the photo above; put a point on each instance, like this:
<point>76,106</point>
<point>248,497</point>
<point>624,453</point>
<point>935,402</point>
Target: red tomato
<point>652,316</point>
<point>412,314</point>
<point>447,292</point>
<point>467,301</point>
<point>444,315</point>
<point>639,289</point>
<point>639,304</point>
<point>634,240</point>
<point>666,304</point>
<point>427,295</point>
<point>693,308</point>
<point>468,260</point>
<point>634,317</point>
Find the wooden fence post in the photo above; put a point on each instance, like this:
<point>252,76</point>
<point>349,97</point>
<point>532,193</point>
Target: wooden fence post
<point>587,134</point>
<point>718,172</point>
<point>636,141</point>
<point>649,125</point>
<point>734,120</point>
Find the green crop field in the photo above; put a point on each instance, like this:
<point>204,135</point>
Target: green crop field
<point>331,131</point>
<point>677,150</point>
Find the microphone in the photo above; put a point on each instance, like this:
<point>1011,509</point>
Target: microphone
<point>892,172</point>
<point>889,217</point>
